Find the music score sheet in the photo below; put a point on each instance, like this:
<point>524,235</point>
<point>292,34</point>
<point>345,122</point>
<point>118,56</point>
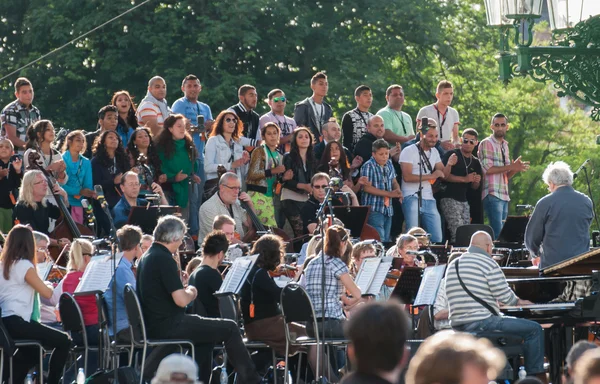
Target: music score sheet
<point>432,276</point>
<point>237,275</point>
<point>96,277</point>
<point>43,270</point>
<point>372,274</point>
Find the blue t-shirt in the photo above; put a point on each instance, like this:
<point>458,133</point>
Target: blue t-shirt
<point>191,111</point>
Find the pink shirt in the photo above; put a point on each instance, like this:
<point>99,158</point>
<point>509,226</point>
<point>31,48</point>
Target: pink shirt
<point>87,303</point>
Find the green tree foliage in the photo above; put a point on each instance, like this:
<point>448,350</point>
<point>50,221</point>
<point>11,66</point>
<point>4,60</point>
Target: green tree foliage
<point>280,44</point>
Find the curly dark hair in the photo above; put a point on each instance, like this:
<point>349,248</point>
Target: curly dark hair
<point>220,120</point>
<point>295,151</point>
<point>99,151</point>
<point>152,155</point>
<point>40,126</point>
<point>324,164</point>
<point>164,139</point>
<point>270,250</point>
<point>131,119</point>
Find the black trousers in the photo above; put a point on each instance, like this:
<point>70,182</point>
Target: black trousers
<point>205,333</point>
<point>26,358</point>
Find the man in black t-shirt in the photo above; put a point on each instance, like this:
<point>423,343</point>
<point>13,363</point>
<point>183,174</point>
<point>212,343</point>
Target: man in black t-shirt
<point>319,182</point>
<point>465,174</point>
<point>163,299</point>
<point>206,278</point>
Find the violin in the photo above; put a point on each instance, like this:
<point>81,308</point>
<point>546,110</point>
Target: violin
<point>391,278</point>
<point>284,270</point>
<point>142,164</point>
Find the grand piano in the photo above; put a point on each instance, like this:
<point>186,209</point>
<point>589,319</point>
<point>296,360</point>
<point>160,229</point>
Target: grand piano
<point>560,318</point>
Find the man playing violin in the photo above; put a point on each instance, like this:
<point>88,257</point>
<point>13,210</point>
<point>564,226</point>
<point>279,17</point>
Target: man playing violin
<point>207,278</point>
<point>130,186</point>
<point>226,202</point>
<point>32,208</point>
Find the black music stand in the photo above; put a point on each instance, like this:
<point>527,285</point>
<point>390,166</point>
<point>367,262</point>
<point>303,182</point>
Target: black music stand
<point>513,230</point>
<point>354,218</point>
<point>147,217</point>
<point>407,287</point>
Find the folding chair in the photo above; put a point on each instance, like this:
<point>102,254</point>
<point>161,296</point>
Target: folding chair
<point>108,344</point>
<point>138,329</point>
<point>12,346</point>
<point>72,321</point>
<point>297,307</point>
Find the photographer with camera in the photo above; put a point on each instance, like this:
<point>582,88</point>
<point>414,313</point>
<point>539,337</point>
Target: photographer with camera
<point>11,175</point>
<point>465,174</point>
<point>422,168</point>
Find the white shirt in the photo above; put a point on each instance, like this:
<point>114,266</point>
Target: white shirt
<point>448,123</point>
<point>411,155</point>
<point>16,296</point>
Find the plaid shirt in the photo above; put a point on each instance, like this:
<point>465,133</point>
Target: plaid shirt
<point>381,178</point>
<point>334,269</point>
<point>494,154</point>
<point>17,115</point>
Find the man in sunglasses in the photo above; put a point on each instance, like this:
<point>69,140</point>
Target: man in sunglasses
<point>465,174</point>
<point>319,182</point>
<point>277,101</point>
<point>498,169</point>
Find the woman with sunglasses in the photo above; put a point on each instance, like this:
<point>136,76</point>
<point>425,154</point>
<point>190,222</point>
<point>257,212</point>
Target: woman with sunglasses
<point>265,165</point>
<point>20,284</point>
<point>80,254</point>
<point>224,151</point>
<point>337,282</point>
<point>300,168</point>
<point>177,153</point>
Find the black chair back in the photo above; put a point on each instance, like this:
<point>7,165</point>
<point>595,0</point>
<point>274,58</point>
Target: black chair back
<point>134,314</point>
<point>296,305</point>
<point>70,314</point>
<point>227,307</point>
<point>464,233</point>
<point>6,342</point>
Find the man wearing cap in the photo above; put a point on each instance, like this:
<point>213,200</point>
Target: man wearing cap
<point>176,368</point>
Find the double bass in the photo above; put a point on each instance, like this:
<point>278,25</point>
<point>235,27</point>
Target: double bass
<point>258,227</point>
<point>65,227</point>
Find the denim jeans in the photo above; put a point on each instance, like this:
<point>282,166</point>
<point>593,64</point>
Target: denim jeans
<point>382,223</point>
<point>531,332</point>
<point>430,217</point>
<point>196,199</point>
<point>496,211</point>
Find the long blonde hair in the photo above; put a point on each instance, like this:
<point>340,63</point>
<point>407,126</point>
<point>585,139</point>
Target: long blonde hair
<point>79,247</point>
<point>26,191</point>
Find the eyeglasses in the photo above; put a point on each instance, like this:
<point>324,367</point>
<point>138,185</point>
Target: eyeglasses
<point>132,184</point>
<point>234,188</point>
<point>229,120</point>
<point>500,125</point>
<point>43,250</point>
<point>469,141</point>
<point>40,182</point>
<point>87,254</point>
<point>320,186</point>
<point>280,98</point>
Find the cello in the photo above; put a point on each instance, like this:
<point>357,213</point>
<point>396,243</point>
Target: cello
<point>258,227</point>
<point>66,227</point>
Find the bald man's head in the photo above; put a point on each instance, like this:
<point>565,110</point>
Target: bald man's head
<point>482,240</point>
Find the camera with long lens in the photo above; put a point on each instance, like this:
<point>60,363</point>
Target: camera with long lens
<point>200,128</point>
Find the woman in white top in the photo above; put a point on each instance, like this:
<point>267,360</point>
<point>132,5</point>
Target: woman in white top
<point>225,147</point>
<point>20,282</point>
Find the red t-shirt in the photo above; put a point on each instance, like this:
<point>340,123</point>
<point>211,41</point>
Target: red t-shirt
<point>87,303</point>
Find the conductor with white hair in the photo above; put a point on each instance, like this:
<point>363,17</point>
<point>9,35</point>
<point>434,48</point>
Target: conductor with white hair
<point>559,227</point>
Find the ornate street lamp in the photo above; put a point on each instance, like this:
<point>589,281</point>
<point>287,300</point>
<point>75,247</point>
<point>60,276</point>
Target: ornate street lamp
<point>572,61</point>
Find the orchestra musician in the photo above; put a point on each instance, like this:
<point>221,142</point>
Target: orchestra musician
<point>562,214</point>
<point>130,186</point>
<point>206,278</point>
<point>337,281</point>
<point>20,282</point>
<point>33,208</point>
<point>319,182</point>
<point>227,225</point>
<point>482,276</point>
<point>260,298</point>
<point>225,202</point>
<point>404,244</point>
<point>130,237</point>
<point>47,306</point>
<point>163,299</point>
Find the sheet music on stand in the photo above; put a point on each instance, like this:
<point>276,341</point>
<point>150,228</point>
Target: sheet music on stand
<point>43,270</point>
<point>237,275</point>
<point>96,277</point>
<point>372,274</point>
<point>430,284</point>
